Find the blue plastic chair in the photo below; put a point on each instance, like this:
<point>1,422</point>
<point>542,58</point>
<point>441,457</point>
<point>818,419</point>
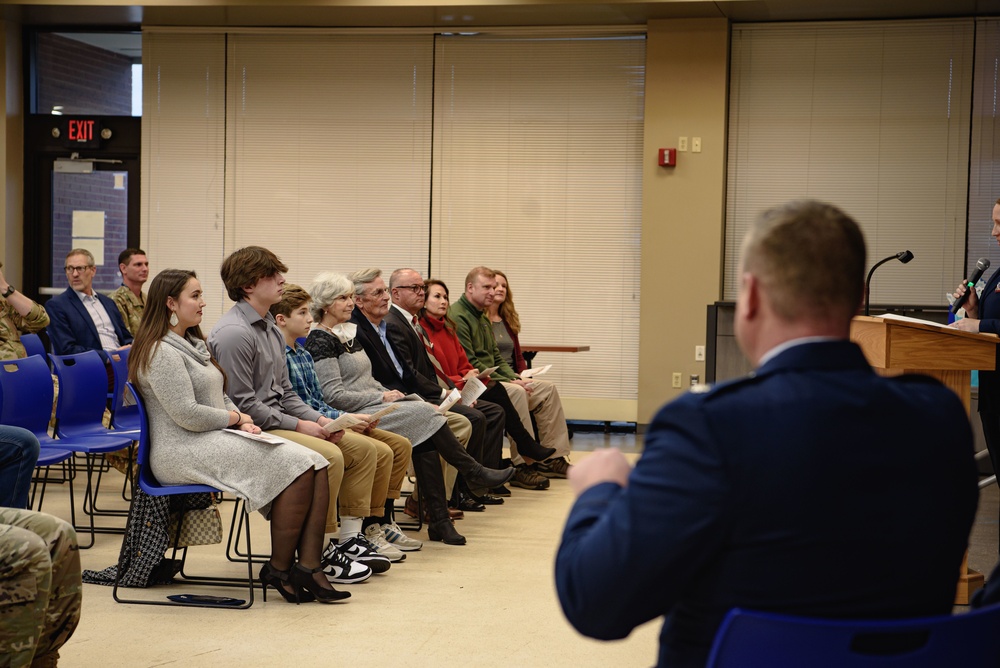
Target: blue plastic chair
<point>83,384</point>
<point>748,639</point>
<point>27,402</point>
<point>46,458</point>
<point>124,415</point>
<point>33,346</point>
<point>150,485</point>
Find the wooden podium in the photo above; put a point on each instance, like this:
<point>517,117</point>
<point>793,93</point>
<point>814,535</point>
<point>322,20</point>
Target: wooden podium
<point>896,346</point>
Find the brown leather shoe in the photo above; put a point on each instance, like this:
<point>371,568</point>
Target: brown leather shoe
<point>410,508</point>
<point>527,478</point>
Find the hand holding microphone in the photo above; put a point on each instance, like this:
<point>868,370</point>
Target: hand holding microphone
<point>969,286</point>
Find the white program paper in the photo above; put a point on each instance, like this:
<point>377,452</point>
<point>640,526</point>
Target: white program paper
<point>473,389</point>
<point>453,398</point>
<point>538,371</point>
<point>345,421</point>
<point>261,437</point>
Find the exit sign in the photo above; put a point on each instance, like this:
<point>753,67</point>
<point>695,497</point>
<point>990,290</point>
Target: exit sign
<point>82,133</point>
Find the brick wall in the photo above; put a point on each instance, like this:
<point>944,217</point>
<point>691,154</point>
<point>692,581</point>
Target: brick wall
<point>82,78</point>
<point>89,192</point>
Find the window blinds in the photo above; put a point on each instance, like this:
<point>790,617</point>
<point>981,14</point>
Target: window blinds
<point>537,172</point>
<point>183,158</point>
<point>329,149</point>
<point>320,147</point>
<point>984,175</point>
<point>870,116</point>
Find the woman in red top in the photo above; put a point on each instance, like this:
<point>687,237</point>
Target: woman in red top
<point>448,351</point>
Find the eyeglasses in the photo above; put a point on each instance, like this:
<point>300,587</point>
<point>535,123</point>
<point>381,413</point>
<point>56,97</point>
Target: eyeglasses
<point>375,294</point>
<point>78,270</point>
<point>417,289</point>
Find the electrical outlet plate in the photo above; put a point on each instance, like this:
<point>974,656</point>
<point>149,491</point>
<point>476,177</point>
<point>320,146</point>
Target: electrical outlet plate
<point>699,353</point>
<point>676,379</point>
<point>696,144</point>
<point>682,143</point>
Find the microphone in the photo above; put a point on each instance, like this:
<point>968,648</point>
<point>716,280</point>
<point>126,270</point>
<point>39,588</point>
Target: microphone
<point>982,265</point>
<point>902,256</point>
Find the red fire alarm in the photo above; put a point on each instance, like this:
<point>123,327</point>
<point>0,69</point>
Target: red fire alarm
<point>668,157</point>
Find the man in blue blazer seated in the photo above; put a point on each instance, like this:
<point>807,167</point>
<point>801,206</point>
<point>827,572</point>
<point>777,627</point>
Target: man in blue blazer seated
<point>81,318</point>
<point>812,487</point>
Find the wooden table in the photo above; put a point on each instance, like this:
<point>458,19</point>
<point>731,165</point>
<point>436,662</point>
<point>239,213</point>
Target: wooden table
<point>530,350</point>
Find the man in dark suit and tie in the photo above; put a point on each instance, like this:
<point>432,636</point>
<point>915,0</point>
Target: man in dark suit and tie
<point>81,318</point>
<point>812,487</point>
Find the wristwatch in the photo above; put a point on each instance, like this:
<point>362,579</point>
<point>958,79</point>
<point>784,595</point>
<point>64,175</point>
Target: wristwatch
<point>8,292</point>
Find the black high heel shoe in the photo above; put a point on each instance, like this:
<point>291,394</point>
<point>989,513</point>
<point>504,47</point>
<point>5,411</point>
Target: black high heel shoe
<point>302,578</point>
<point>272,577</point>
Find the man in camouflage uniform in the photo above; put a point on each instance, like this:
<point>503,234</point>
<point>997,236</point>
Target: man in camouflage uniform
<point>18,315</point>
<point>40,589</point>
<point>129,298</point>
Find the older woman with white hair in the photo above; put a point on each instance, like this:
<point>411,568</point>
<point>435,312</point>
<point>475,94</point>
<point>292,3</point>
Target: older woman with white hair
<point>345,374</point>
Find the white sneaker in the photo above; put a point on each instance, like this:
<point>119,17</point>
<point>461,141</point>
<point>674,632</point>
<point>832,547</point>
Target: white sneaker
<point>341,570</point>
<point>377,538</point>
<point>360,550</point>
<point>395,537</point>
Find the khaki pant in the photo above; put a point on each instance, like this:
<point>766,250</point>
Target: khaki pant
<point>392,458</point>
<point>402,452</point>
<point>40,591</point>
<point>544,403</point>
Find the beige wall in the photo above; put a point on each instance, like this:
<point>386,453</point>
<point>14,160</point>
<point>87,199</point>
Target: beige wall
<point>683,207</point>
<point>12,148</point>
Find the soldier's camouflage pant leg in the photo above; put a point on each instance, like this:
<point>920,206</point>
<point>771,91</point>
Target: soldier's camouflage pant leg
<point>40,590</point>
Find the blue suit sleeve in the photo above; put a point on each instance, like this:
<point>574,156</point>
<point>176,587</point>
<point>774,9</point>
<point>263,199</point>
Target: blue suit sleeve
<point>61,332</point>
<point>990,325</point>
<point>627,554</point>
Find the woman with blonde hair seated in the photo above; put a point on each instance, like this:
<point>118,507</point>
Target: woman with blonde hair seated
<point>191,439</point>
<point>506,323</point>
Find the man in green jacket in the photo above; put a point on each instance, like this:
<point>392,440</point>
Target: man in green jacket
<point>542,398</point>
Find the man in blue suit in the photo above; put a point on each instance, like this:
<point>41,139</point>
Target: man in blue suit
<point>811,487</point>
<point>82,319</point>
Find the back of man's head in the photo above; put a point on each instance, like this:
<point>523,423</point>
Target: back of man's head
<point>245,266</point>
<point>810,260</point>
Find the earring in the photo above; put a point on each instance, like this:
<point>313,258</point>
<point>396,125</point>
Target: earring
<point>173,318</point>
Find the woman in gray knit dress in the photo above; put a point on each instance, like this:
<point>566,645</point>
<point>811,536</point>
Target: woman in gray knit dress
<point>191,439</point>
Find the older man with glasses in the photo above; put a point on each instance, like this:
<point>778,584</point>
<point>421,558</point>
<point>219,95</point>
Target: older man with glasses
<point>81,318</point>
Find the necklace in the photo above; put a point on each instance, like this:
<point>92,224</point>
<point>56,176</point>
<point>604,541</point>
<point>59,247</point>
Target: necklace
<point>348,343</point>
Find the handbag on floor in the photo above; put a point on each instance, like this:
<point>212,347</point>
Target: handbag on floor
<point>201,526</point>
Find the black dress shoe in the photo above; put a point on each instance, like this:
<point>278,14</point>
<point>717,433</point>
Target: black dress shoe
<point>469,505</point>
<point>502,490</point>
<point>488,499</point>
